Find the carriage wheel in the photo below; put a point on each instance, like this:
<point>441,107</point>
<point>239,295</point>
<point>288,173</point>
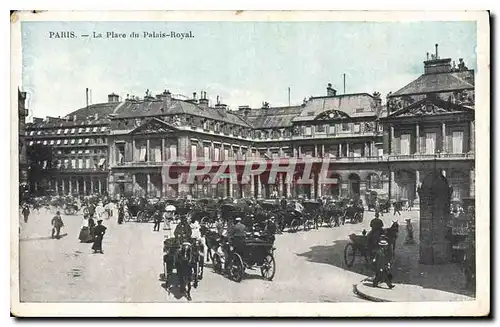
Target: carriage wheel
<point>268,268</point>
<point>140,216</point>
<point>217,264</point>
<point>236,268</point>
<point>126,216</point>
<point>349,255</point>
<point>294,226</point>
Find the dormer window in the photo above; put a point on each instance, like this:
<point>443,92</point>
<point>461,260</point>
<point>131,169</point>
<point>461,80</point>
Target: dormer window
<point>87,130</point>
<point>73,130</point>
<point>59,131</point>
<point>66,131</point>
<point>345,127</point>
<point>308,131</point>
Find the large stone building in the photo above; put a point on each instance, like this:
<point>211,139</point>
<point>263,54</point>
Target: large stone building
<point>367,145</point>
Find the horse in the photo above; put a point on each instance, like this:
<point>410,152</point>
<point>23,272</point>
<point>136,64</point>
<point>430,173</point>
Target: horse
<point>185,268</point>
<point>392,234</point>
<point>211,241</point>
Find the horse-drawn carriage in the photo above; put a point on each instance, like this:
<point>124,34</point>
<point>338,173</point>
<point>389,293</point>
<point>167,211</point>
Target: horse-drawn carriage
<point>377,195</point>
<point>359,245</point>
<point>313,214</point>
<point>257,253</point>
<point>187,260</point>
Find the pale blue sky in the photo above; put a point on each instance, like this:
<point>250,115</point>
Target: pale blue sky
<point>243,62</point>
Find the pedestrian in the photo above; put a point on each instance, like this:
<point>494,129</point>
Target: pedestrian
<point>57,223</point>
<point>121,212</point>
<point>397,207</point>
<point>26,212</point>
<point>382,263</point>
<point>157,217</point>
<point>98,232</point>
<point>85,236</point>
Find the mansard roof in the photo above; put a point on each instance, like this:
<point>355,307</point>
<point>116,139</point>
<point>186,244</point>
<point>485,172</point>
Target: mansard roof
<point>274,117</point>
<point>153,126</point>
<point>438,82</point>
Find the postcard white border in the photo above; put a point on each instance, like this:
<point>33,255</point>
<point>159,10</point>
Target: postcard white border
<point>480,306</point>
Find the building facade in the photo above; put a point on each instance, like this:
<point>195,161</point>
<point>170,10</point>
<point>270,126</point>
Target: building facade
<point>426,125</point>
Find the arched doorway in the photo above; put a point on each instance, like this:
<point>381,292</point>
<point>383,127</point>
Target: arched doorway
<point>460,184</point>
<point>373,181</point>
<point>333,189</point>
<point>354,185</point>
<point>405,182</point>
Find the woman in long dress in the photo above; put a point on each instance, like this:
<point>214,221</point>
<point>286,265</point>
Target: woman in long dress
<point>85,235</point>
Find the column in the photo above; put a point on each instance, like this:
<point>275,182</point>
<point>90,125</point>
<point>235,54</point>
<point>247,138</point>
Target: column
<point>417,184</point>
<point>62,186</point>
<point>100,185</point>
<point>70,182</point>
<point>340,150</point>
<point>322,150</point>
<point>259,186</point>
<point>472,136</point>
<point>57,186</point>
<point>472,183</point>
<point>393,143</point>
<point>148,156</point>
<point>392,188</point>
<point>133,184</point>
<point>417,139</point>
<point>84,186</point>
<point>315,150</point>
<point>443,133</point>
<point>280,181</point>
<point>163,149</point>
<point>300,151</point>
<point>148,183</point>
<point>91,185</point>
<point>443,172</point>
<point>252,186</point>
<point>133,150</point>
<point>319,192</point>
<point>347,148</point>
<point>231,188</point>
<point>367,150</point>
<point>212,151</point>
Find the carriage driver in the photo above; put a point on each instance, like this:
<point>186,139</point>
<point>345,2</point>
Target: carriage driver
<point>236,236</point>
<point>183,231</point>
<point>376,225</point>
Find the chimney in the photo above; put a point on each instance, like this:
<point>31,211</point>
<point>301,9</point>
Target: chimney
<point>377,98</point>
<point>113,98</point>
<point>203,100</point>
<point>87,97</point>
<point>331,92</point>
<point>437,65</point>
<point>194,95</point>
<point>218,100</point>
<point>221,106</point>
<point>265,105</point>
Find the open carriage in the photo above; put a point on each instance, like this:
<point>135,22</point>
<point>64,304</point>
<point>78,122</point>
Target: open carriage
<point>257,254</point>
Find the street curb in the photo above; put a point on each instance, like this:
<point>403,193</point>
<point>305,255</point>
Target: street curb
<point>366,296</point>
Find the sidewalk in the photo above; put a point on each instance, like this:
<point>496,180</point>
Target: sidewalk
<point>414,281</point>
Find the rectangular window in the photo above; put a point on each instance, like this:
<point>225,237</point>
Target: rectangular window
<point>103,129</point>
<point>52,142</point>
<point>73,163</point>
<point>120,150</point>
<point>31,133</point>
<point>80,141</point>
<point>45,142</point>
<point>194,150</point>
<point>157,154</point>
<point>87,141</point>
<point>59,131</point>
<point>217,154</point>
<point>173,151</point>
<point>73,152</point>
<point>226,154</point>
<point>94,129</point>
<point>357,128</point>
<point>87,151</point>
<point>80,130</point>
<point>345,127</point>
<point>80,163</point>
<point>142,154</point>
<point>458,142</point>
<point>357,151</point>
<point>331,129</point>
<point>73,130</point>
<point>58,142</point>
<point>380,152</point>
<point>66,131</point>
<point>206,153</point>
<point>308,131</point>
<point>80,151</point>
<point>65,141</point>
<point>87,130</point>
<point>405,144</point>
<point>87,163</point>
<point>430,143</point>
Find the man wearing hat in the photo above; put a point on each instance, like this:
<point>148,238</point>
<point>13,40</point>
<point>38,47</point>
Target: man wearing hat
<point>57,223</point>
<point>236,236</point>
<point>377,226</point>
<point>99,232</point>
<point>183,230</point>
<point>381,260</point>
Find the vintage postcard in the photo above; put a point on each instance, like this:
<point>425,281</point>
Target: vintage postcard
<point>250,164</point>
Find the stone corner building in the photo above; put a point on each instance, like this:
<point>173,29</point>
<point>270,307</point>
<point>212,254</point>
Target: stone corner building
<point>23,159</point>
<point>120,147</point>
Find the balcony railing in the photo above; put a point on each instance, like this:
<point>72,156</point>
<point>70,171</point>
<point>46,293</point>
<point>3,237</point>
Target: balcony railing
<point>335,135</point>
<point>369,159</point>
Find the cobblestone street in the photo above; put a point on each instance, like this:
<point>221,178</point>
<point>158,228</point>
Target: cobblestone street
<point>309,264</point>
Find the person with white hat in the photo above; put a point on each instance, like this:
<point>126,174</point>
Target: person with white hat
<point>382,264</point>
